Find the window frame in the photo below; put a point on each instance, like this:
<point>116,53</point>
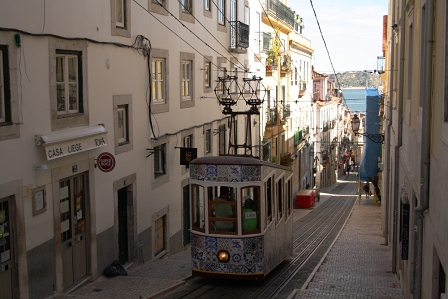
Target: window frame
<point>221,9</point>
<point>222,142</point>
<point>197,189</point>
<point>187,101</point>
<point>9,129</point>
<point>186,75</point>
<point>122,29</point>
<point>5,92</point>
<point>160,154</point>
<point>207,74</point>
<point>208,141</point>
<point>67,83</point>
<point>61,46</point>
<point>123,101</point>
<point>158,81</point>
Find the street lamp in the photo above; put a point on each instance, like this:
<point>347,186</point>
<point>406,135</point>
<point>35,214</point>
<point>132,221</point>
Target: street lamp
<point>377,138</point>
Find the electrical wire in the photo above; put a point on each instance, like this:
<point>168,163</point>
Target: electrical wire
<point>326,48</point>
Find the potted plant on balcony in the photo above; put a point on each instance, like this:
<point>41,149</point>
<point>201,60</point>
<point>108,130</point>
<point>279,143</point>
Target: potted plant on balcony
<point>286,63</point>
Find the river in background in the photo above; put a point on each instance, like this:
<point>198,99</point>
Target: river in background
<point>355,99</point>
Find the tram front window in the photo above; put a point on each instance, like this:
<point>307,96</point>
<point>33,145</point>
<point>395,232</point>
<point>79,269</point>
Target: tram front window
<point>222,212</point>
<point>250,212</point>
<point>197,206</point>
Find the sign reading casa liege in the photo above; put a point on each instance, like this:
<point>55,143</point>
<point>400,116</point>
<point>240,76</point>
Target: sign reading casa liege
<point>106,162</point>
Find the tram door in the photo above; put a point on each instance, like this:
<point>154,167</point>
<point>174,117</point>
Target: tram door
<point>72,193</point>
<point>186,215</point>
<point>6,250</point>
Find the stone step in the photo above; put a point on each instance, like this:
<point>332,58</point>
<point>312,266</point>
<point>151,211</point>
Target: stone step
<point>316,294</point>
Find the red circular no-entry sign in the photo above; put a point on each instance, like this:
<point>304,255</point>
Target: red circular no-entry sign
<point>106,162</point>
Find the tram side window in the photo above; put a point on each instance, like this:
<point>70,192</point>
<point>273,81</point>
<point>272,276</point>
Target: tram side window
<point>222,211</point>
<point>250,217</point>
<point>288,197</point>
<point>268,194</point>
<point>198,207</point>
<point>280,198</point>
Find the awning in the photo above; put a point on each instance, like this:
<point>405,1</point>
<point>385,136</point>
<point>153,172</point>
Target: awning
<point>71,142</point>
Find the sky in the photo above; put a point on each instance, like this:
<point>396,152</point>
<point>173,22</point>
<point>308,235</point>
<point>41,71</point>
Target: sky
<point>352,30</point>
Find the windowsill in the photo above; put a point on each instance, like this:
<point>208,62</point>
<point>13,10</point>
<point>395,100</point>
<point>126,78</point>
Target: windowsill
<point>69,115</point>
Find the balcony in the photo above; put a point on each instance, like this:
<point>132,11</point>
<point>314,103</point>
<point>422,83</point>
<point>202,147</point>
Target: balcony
<point>239,36</point>
<point>271,117</point>
<point>280,12</point>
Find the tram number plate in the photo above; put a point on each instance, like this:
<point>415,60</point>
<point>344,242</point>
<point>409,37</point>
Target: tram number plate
<point>250,215</point>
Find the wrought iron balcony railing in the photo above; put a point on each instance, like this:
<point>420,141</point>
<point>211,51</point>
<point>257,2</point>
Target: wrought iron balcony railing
<point>281,12</point>
<point>239,35</point>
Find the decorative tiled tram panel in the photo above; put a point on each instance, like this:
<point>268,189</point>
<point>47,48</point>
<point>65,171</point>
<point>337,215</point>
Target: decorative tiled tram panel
<point>241,216</point>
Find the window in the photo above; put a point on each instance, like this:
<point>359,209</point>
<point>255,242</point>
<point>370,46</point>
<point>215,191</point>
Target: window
<point>207,5</point>
<point>157,80</point>
<point>188,141</point>
<point>122,114</point>
<point>247,15</point>
<point>295,76</point>
<point>187,6</point>
<point>159,160</point>
<point>207,74</point>
<point>221,12</point>
<point>186,80</point>
<point>280,199</point>
<point>222,140</point>
<point>250,217</point>
<point>186,77</point>
<point>289,197</point>
<point>5,98</point>
<point>121,18</point>
<point>119,13</point>
<point>68,70</point>
<point>198,207</point>
<point>208,141</point>
<point>122,123</point>
<point>268,194</point>
<point>222,212</point>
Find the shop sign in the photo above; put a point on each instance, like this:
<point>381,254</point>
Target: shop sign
<point>74,146</point>
<point>105,162</point>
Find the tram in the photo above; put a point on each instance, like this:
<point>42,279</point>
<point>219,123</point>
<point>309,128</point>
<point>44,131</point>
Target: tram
<point>241,216</point>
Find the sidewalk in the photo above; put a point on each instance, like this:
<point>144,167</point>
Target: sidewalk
<point>355,267</point>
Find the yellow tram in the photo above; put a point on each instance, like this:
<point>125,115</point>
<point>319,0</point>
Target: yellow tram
<point>245,232</point>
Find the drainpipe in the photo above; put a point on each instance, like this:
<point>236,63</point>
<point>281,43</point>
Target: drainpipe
<point>399,138</point>
<point>387,196</point>
<point>425,151</point>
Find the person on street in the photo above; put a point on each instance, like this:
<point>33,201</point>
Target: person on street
<point>367,189</point>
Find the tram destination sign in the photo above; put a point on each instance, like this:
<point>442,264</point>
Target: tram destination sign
<point>105,162</point>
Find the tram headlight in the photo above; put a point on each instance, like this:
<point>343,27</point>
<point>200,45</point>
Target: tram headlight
<point>223,256</point>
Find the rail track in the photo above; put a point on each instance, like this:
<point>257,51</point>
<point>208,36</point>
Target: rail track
<point>313,236</point>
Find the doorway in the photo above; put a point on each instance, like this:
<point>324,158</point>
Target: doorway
<point>123,240</point>
<point>73,223</point>
<point>6,249</point>
<point>186,215</point>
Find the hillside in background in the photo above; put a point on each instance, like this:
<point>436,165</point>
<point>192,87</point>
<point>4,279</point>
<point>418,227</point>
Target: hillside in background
<point>357,79</point>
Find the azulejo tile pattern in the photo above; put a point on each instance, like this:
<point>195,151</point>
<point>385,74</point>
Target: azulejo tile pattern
<point>225,173</point>
<point>246,254</point>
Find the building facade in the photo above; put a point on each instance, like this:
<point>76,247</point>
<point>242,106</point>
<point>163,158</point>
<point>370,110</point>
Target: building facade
<point>416,130</point>
<point>94,115</point>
